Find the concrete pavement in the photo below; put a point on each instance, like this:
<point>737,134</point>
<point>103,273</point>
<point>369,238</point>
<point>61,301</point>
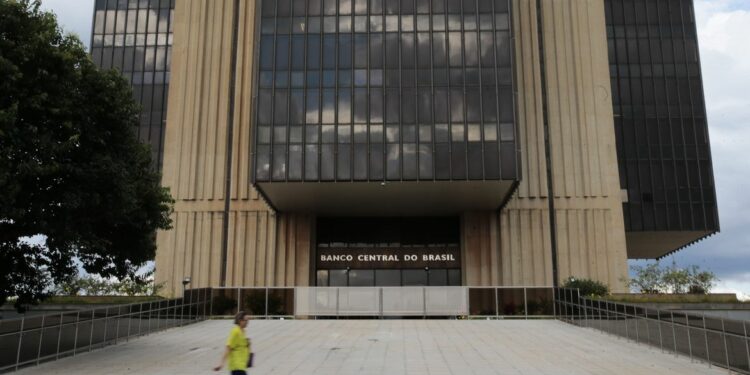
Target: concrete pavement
<point>385,347</point>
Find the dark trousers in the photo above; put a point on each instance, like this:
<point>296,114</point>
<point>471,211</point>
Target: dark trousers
<point>239,372</point>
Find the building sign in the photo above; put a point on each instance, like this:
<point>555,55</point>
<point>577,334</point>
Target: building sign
<point>407,257</point>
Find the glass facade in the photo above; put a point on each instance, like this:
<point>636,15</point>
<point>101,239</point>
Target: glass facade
<point>358,90</point>
<point>660,116</point>
<point>135,37</point>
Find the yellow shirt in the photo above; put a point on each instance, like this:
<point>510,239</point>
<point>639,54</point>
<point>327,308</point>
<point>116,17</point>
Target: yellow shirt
<point>240,349</point>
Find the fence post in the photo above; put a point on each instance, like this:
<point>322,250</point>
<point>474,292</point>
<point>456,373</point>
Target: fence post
<point>59,335</point>
<point>190,307</point>
<point>747,345</point>
<point>158,315</point>
<point>130,320</point>
<point>726,348</point>
<point>75,339</point>
<point>661,337</point>
<point>555,297</point>
<point>585,313</point>
<point>106,325</point>
<point>674,334</point>
<point>648,329</point>
<point>20,341</point>
<point>705,333</point>
<point>635,319</point>
<point>41,336</point>
<point>497,302</point>
<point>690,343</point>
<point>381,303</point>
<point>625,321</point>
<point>525,304</point>
<point>337,302</point>
<point>117,325</point>
<point>266,309</point>
<point>91,333</point>
<point>424,302</point>
<point>140,318</point>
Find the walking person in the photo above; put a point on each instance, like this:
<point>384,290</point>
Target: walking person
<point>237,351</point>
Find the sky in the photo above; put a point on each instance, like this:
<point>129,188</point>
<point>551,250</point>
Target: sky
<point>723,29</point>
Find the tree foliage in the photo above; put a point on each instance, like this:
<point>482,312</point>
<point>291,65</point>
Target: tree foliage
<point>653,279</point>
<point>648,279</point>
<point>89,285</point>
<point>72,171</point>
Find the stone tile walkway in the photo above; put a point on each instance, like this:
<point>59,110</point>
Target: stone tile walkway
<point>385,347</point>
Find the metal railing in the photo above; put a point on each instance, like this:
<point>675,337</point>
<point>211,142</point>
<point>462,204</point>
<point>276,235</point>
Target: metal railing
<point>326,302</point>
<point>29,341</point>
<point>716,341</point>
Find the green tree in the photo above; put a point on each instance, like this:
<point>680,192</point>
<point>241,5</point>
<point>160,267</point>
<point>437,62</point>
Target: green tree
<point>700,282</point>
<point>72,171</point>
<point>676,280</point>
<point>648,279</point>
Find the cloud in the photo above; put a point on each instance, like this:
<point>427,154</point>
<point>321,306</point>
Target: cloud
<point>75,16</point>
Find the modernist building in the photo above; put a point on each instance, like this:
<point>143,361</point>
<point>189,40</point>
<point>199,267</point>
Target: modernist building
<point>417,142</point>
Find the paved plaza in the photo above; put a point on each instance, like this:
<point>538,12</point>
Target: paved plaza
<point>385,347</point>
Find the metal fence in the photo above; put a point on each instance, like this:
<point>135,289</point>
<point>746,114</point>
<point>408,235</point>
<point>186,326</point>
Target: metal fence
<point>32,340</point>
<point>716,341</point>
<point>326,302</point>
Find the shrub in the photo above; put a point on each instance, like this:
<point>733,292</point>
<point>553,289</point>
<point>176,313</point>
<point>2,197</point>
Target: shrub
<point>587,287</point>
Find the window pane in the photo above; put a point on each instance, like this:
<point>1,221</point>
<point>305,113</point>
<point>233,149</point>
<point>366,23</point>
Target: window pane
<point>425,161</point>
<point>454,48</point>
<point>393,166</point>
<point>388,277</point>
<point>414,277</point>
<point>457,105</point>
<point>281,110</point>
<point>345,107</point>
<point>391,50</point>
<point>376,161</point>
<point>321,278</point>
<point>313,52</point>
<point>361,278</point>
<point>470,48</point>
<point>360,50</point>
<point>376,105</point>
<point>328,109</point>
<point>282,52</point>
<point>438,277</point>
<point>376,51</point>
<point>329,51</point>
<point>296,107</point>
<point>360,106</point>
<point>311,162</point>
<point>312,112</point>
<point>423,47</point>
<point>337,278</point>
<point>344,162</point>
<point>345,51</point>
<point>407,50</point>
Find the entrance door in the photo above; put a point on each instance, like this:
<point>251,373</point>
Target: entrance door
<point>389,277</point>
<point>388,251</point>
